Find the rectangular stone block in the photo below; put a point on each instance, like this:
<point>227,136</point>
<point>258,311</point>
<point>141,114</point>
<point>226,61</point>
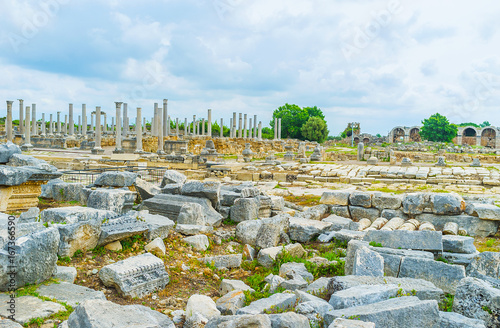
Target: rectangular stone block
<point>416,240</point>
<point>458,244</point>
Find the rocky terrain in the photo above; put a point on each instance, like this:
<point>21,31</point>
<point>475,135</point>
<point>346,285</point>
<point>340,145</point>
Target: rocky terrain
<point>123,252</point>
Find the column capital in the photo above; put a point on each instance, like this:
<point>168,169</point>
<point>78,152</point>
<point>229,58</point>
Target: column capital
<point>21,100</point>
<point>118,104</point>
<point>10,102</point>
<point>165,100</point>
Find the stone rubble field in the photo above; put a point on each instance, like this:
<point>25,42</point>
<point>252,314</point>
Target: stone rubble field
<point>239,255</point>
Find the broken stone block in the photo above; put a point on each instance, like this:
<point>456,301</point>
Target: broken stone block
<point>231,302</point>
<point>415,203</point>
<point>347,235</point>
<point>65,274</point>
<point>360,198</point>
<point>347,323</point>
<point>254,321</point>
<point>317,213</point>
<point>250,192</point>
<point>36,259</point>
<point>157,246</point>
<point>172,176</point>
<point>342,211</point>
<point>477,299</point>
<point>75,214</point>
<point>191,213</point>
<point>459,258</point>
<point>172,189</point>
<point>358,213</point>
<point>7,323</point>
<point>30,215</point>
<point>425,290</point>
<point>29,307</point>
<point>456,320</point>
<point>392,258</point>
<point>458,244</point>
<point>319,286</point>
<point>471,224</point>
<point>282,301</point>
<point>416,240</point>
<point>198,242</point>
<point>203,189</point>
<point>145,189</point>
<point>116,200</point>
<point>64,191</point>
<point>385,201</point>
<point>228,285</point>
<point>247,231</point>
<point>289,319</point>
<point>244,209</point>
<point>82,235</point>
<point>115,179</point>
<point>267,256</point>
<point>335,197</point>
<point>170,206</point>
<point>339,223</point>
<point>292,269</point>
<point>486,266</point>
<point>136,276</point>
<point>93,313</point>
<point>485,211</point>
<point>398,312</point>
<point>115,246</point>
<point>121,228</point>
<point>223,261</point>
<point>7,150</point>
<point>304,230</point>
<point>444,276</point>
<point>297,282</point>
<point>362,295</point>
<point>159,226</point>
<point>69,293</point>
<point>271,230</point>
<point>191,230</point>
<point>249,253</point>
<point>203,305</point>
<point>367,263</point>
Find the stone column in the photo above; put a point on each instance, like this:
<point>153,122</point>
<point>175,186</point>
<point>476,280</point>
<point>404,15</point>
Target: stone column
<point>250,128</point>
<point>233,134</point>
<point>159,129</point>
<point>21,116</point>
<point>245,126</point>
<point>97,148</point>
<point>275,128</point>
<point>34,130</point>
<point>105,124</point>
<point>8,123</point>
<point>255,126</point>
<point>154,126</point>
<point>125,126</point>
<point>260,131</point>
<point>72,121</point>
<point>42,132</point>
<point>279,128</point>
<point>185,127</point>
<point>51,128</point>
<point>166,130</point>
<point>138,132</point>
<point>168,124</point>
<point>240,123</point>
<point>84,120</point>
<point>209,123</point>
<point>79,126</point>
<point>203,127</point>
<point>27,141</point>
<point>65,125</point>
<point>144,129</point>
<point>118,136</point>
<point>221,128</point>
<point>230,128</point>
<point>194,126</point>
<point>58,124</point>
<point>177,127</point>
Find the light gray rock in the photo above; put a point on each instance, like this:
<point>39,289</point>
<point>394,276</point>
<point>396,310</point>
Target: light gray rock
<point>170,206</point>
<point>13,176</point>
<point>367,263</point>
<point>304,230</point>
<point>66,274</point>
<point>336,197</point>
<point>417,240</point>
<point>203,305</point>
<point>358,213</point>
<point>75,214</point>
<point>444,276</point>
<point>408,312</point>
<point>172,176</point>
<point>191,213</point>
<point>392,258</point>
<point>389,214</point>
<point>244,209</point>
<point>485,211</point>
<point>267,256</point>
<point>384,201</point>
<point>36,259</point>
<point>228,285</point>
<point>116,179</point>
<point>30,215</point>
<point>313,310</point>
<point>339,223</point>
<point>19,160</point>
<point>360,198</point>
<point>473,225</point>
<point>157,246</point>
<point>121,228</point>
<point>459,258</point>
<point>246,231</point>
<point>105,314</point>
<point>47,188</point>
<point>192,230</point>
<point>447,204</point>
<point>458,244</point>
<point>250,192</point>
<point>29,307</point>
<point>240,321</point>
<point>231,302</point>
<point>317,212</point>
<point>198,242</point>
<point>291,269</point>
<point>6,323</point>
<point>339,210</point>
<point>456,320</point>
<point>347,323</point>
<point>145,189</point>
<point>69,293</point>
<point>477,299</point>
<point>83,235</point>
<point>350,257</point>
<point>274,282</point>
<point>319,286</point>
<point>271,230</point>
<point>159,226</point>
<point>278,203</point>
<point>7,150</point>
<point>172,189</point>
<point>203,189</point>
<point>348,235</point>
<point>289,320</point>
<point>425,290</point>
<point>362,295</point>
<point>64,191</point>
<point>227,197</point>
<point>415,203</point>
<point>116,200</point>
<point>486,266</point>
<point>223,261</point>
<point>282,301</point>
<point>136,276</point>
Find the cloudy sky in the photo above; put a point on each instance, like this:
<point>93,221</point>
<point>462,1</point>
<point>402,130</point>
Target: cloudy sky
<point>380,63</point>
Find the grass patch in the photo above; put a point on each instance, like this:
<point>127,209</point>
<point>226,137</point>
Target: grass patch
<point>446,304</point>
<point>375,244</point>
<point>442,259</point>
<point>304,200</point>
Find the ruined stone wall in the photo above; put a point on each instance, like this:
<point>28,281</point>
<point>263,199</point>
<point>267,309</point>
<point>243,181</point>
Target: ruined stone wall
<point>450,157</point>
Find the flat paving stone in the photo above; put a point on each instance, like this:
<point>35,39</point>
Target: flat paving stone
<point>69,293</point>
<point>29,307</point>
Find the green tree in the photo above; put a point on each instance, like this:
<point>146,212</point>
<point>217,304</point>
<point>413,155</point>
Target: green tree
<point>485,124</point>
<point>315,111</point>
<point>315,129</point>
<point>293,118</point>
<point>438,128</point>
